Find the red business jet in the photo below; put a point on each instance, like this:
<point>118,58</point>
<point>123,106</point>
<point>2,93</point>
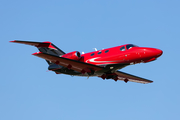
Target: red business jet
<point>102,63</point>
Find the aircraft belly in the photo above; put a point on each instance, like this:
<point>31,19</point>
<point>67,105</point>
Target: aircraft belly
<point>75,73</point>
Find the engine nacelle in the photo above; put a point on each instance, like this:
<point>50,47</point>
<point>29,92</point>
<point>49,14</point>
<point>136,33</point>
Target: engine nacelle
<point>75,55</point>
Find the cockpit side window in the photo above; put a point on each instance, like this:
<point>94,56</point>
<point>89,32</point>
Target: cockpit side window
<point>129,46</point>
<point>123,48</point>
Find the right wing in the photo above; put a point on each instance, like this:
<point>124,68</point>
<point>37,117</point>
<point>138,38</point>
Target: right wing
<point>71,64</point>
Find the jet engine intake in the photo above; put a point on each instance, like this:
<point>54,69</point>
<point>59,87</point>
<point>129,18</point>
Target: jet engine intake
<point>75,55</point>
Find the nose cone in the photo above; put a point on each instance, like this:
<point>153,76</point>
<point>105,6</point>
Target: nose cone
<point>148,54</point>
<point>154,52</point>
<point>158,52</point>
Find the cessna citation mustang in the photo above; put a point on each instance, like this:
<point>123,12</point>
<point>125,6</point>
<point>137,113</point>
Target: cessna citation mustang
<point>102,63</point>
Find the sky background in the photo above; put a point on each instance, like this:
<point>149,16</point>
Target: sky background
<point>29,92</point>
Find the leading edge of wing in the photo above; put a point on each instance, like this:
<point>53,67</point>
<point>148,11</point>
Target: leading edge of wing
<point>132,78</point>
<point>69,63</point>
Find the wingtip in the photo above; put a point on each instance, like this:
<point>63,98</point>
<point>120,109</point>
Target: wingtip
<point>13,41</point>
<point>36,53</point>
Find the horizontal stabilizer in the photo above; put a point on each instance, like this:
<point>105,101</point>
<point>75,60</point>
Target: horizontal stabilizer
<point>36,44</point>
<point>44,47</point>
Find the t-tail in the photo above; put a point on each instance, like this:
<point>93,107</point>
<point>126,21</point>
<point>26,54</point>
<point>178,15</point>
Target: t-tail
<point>44,47</point>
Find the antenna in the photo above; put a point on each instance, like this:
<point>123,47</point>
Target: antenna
<point>95,49</point>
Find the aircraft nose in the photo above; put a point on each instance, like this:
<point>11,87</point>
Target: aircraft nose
<point>158,52</point>
<point>154,52</point>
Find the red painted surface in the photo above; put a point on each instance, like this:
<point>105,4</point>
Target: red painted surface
<point>115,56</point>
<point>94,62</point>
<point>50,45</point>
<point>72,55</point>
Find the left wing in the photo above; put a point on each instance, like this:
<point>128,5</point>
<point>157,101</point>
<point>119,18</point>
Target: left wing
<point>69,63</point>
<point>127,77</point>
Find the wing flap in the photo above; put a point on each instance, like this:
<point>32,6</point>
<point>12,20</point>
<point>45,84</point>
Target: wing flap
<point>71,64</point>
<point>127,77</point>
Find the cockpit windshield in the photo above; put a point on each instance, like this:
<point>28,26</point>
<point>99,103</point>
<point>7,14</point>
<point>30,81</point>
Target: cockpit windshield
<point>129,46</point>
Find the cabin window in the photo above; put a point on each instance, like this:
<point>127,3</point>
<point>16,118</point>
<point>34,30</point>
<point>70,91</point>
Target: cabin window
<point>123,48</point>
<point>106,51</point>
<point>99,52</point>
<point>92,54</point>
